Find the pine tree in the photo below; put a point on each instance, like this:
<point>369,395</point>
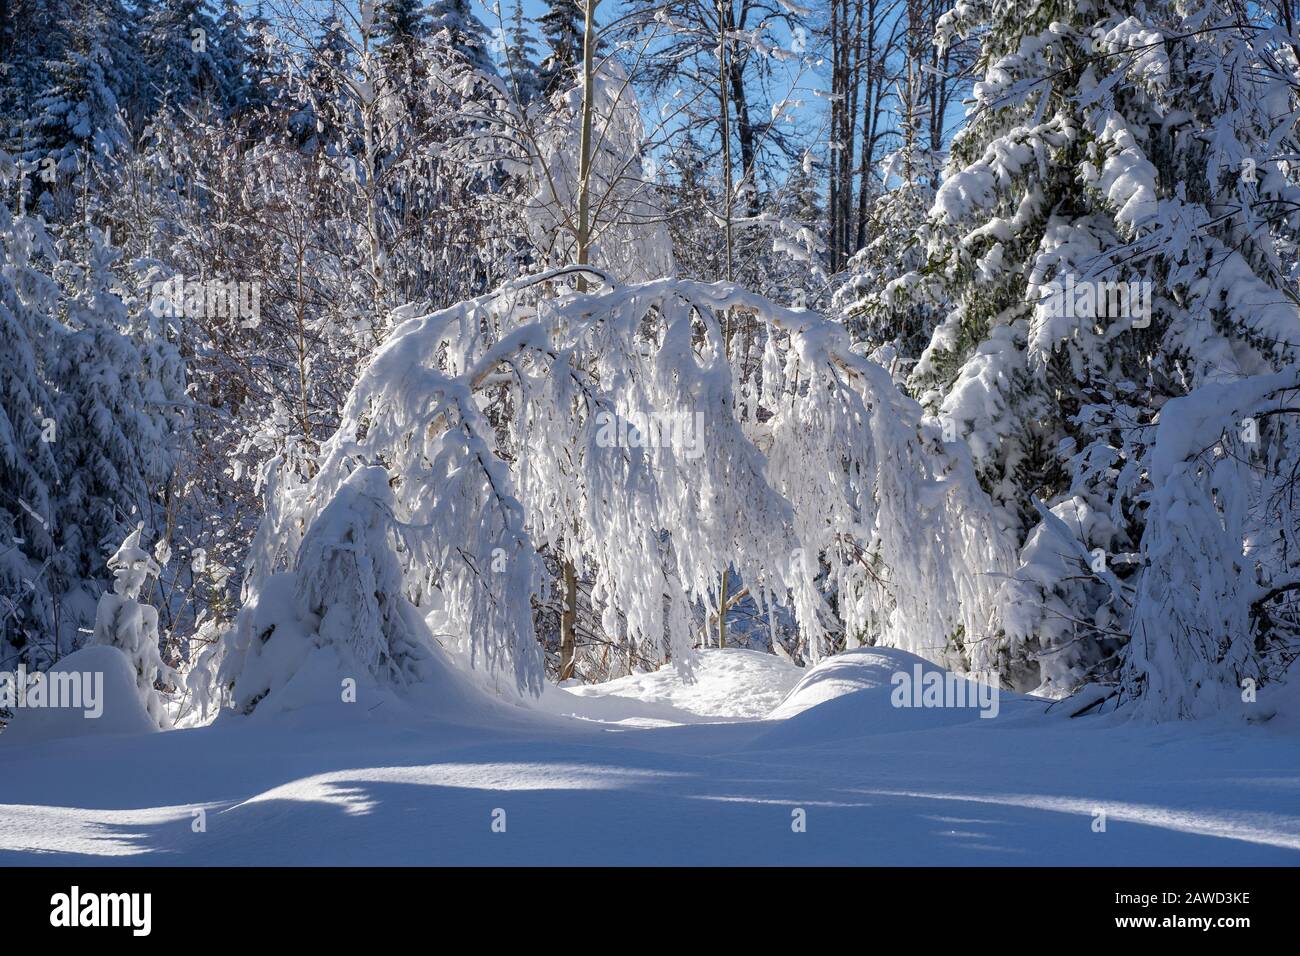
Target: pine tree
<point>325,112</point>
<point>234,51</point>
<point>562,28</point>
<point>466,32</point>
<point>1095,244</point>
<point>401,24</point>
<point>522,74</point>
<point>124,621</point>
<point>88,407</point>
<point>76,119</point>
<point>182,53</point>
<point>29,472</point>
<point>116,448</point>
<point>263,85</point>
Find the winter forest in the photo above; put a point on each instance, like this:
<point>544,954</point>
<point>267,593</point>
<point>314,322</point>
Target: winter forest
<point>650,363</point>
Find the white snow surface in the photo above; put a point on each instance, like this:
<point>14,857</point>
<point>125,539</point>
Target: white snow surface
<point>652,769</point>
<point>731,683</point>
<point>112,682</point>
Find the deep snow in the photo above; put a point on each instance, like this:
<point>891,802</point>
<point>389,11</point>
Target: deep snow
<point>656,770</point>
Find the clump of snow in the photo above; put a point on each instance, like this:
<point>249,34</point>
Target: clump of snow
<point>110,681</point>
<point>727,684</point>
<point>854,694</point>
<point>1278,707</point>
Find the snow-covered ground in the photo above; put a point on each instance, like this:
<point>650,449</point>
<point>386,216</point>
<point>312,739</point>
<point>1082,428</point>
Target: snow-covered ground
<point>655,770</point>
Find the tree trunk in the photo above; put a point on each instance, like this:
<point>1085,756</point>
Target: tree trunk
<point>569,616</point>
<point>569,621</point>
<point>722,612</point>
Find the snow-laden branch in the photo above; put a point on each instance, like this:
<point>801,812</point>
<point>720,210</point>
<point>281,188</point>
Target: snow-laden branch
<point>634,431</point>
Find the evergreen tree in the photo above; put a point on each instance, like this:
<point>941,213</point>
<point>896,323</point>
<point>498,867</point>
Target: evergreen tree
<point>234,52</point>
<point>520,57</point>
<point>120,385</point>
<point>562,28</point>
<point>182,47</point>
<point>88,408</point>
<point>325,112</point>
<point>76,118</point>
<point>29,473</point>
<point>401,24</point>
<point>124,621</point>
<point>468,36</point>
<point>263,83</point>
<point>1098,252</point>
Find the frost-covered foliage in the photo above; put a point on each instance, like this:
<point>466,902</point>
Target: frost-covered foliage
<point>363,180</point>
<point>626,235</point>
<point>1113,230</point>
<point>90,408</point>
<point>876,299</point>
<point>28,469</point>
<point>1050,435</point>
<point>1217,549</point>
<point>613,427</point>
<point>347,594</point>
<point>123,621</point>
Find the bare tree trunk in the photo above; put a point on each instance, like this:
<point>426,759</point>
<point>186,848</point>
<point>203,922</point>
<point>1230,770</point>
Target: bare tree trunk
<point>744,133</point>
<point>569,616</point>
<point>724,114</point>
<point>569,622</point>
<point>722,611</point>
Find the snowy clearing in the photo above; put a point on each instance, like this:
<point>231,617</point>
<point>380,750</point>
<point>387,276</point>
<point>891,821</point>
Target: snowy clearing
<point>890,786</point>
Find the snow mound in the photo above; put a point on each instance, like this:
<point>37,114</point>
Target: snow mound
<point>725,684</point>
<point>1278,707</point>
<point>106,686</point>
<point>884,690</point>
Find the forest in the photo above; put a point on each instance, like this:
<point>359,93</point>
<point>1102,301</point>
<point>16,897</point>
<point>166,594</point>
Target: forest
<point>459,354</point>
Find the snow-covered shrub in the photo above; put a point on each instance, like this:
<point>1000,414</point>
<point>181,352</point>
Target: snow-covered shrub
<point>345,593</point>
<point>1065,569</point>
<point>123,621</point>
<point>1196,631</point>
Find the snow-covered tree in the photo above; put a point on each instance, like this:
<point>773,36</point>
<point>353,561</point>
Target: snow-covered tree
<point>75,118</point>
<point>401,23</point>
<point>464,31</point>
<point>29,471</point>
<point>521,72</point>
<point>124,621</point>
<point>1101,245</point>
<point>604,212</point>
<point>561,27</point>
<point>510,424</point>
<point>184,56</point>
<point>91,410</point>
<point>348,595</point>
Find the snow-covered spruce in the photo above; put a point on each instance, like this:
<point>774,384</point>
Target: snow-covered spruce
<point>1120,143</point>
